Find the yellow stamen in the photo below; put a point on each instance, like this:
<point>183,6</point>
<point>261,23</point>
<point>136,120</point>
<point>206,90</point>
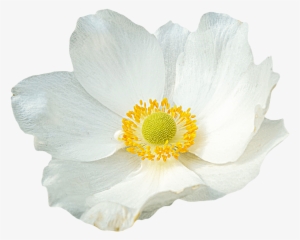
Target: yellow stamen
<point>158,131</point>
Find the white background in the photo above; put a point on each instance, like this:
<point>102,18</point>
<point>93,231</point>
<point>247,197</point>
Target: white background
<point>35,40</point>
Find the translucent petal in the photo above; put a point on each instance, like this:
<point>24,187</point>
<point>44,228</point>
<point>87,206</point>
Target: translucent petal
<point>230,177</point>
<point>172,38</point>
<point>229,94</point>
<point>70,183</point>
<point>66,121</point>
<point>117,61</point>
<point>154,185</point>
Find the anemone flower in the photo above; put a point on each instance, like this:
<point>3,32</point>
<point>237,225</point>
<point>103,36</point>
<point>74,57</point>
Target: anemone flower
<point>146,119</point>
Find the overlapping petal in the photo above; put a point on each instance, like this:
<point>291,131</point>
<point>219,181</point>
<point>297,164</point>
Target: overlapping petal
<point>230,177</point>
<point>65,120</point>
<point>217,78</point>
<point>117,61</point>
<point>153,177</point>
<point>115,216</point>
<point>113,192</point>
<point>70,183</point>
<point>154,185</point>
<point>111,216</point>
<point>172,38</point>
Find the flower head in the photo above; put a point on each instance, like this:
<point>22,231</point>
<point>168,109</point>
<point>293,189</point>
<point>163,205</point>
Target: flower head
<point>144,120</point>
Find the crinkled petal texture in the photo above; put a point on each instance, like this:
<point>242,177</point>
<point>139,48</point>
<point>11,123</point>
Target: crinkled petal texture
<point>117,61</point>
<point>229,94</point>
<point>66,121</point>
<point>112,193</point>
<point>230,177</point>
<point>171,38</point>
<point>69,183</point>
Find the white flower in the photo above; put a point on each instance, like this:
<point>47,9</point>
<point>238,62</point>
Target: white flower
<point>144,120</point>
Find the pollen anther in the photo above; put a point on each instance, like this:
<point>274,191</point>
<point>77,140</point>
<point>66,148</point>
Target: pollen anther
<point>158,131</point>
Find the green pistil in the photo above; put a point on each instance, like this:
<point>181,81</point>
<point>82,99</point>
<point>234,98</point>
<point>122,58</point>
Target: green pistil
<point>158,128</point>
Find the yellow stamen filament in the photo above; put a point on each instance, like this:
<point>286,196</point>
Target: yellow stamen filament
<point>167,131</point>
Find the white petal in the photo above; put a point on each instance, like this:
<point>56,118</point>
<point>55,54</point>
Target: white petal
<point>172,38</point>
<point>66,121</point>
<point>116,217</point>
<point>167,198</point>
<point>70,183</point>
<point>230,177</point>
<point>224,88</point>
<point>117,61</point>
<point>154,185</point>
<point>111,216</point>
<point>203,193</point>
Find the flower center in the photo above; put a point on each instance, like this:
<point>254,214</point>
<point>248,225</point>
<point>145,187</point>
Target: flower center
<point>158,131</point>
<point>158,128</point>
